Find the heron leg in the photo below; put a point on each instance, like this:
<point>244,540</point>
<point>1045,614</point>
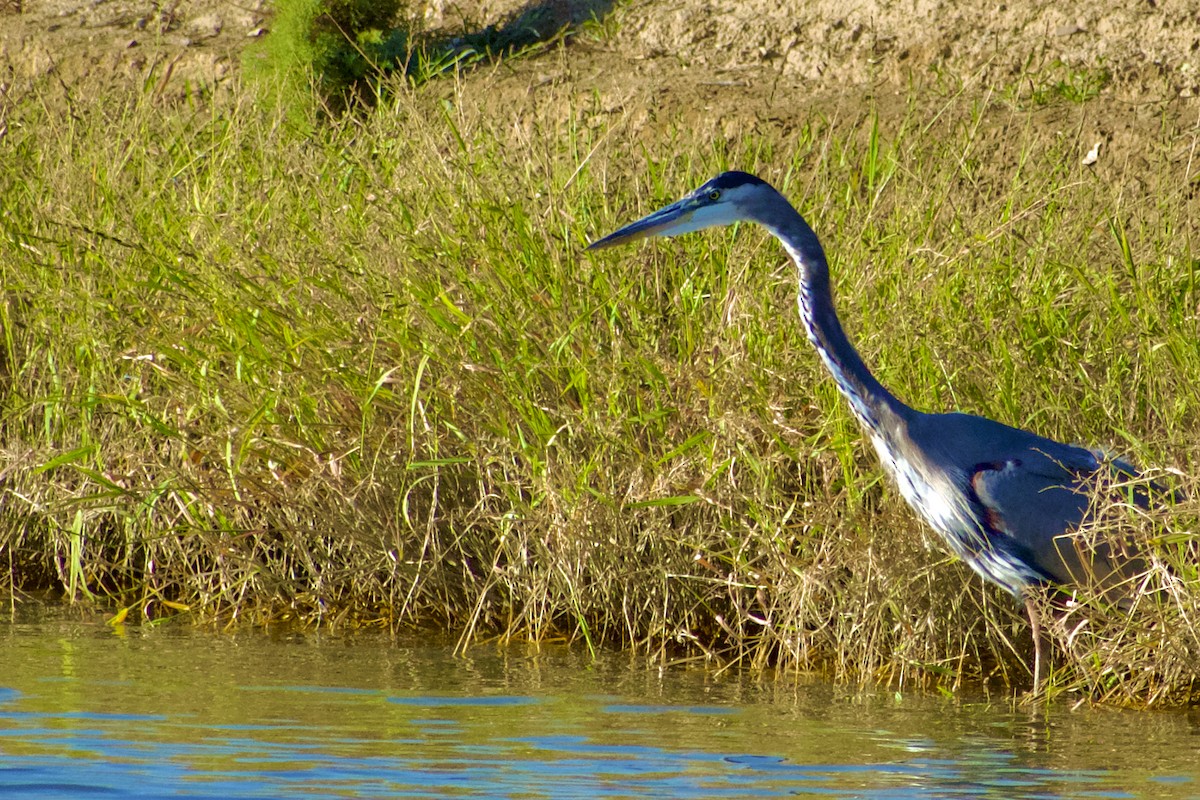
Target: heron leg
<point>1039,662</point>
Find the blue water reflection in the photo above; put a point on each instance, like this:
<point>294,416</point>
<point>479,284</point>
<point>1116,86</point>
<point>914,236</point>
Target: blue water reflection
<point>88,715</point>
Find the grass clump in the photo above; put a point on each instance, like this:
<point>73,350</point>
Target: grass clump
<point>1057,82</point>
<point>352,48</point>
<point>367,376</point>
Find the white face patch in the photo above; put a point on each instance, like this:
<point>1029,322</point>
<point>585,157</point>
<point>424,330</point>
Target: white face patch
<point>704,217</point>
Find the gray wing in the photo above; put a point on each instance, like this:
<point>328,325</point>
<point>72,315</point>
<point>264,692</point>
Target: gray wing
<point>1033,511</point>
<point>1038,496</point>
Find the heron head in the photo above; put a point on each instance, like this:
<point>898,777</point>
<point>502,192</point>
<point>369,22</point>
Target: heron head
<point>727,198</point>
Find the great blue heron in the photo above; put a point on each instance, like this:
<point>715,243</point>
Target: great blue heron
<point>1003,499</point>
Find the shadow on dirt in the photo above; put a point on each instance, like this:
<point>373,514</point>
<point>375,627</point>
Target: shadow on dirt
<point>355,64</point>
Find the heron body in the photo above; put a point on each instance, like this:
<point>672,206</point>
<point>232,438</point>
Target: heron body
<point>1004,500</point>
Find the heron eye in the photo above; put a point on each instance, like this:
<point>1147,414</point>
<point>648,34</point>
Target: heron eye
<point>714,195</point>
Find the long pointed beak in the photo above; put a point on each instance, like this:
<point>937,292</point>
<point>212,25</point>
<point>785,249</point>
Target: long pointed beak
<point>660,223</point>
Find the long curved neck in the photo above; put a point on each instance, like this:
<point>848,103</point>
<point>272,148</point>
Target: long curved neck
<point>871,403</point>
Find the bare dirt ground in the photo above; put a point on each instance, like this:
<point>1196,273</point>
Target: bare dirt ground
<point>111,43</point>
<point>681,51</point>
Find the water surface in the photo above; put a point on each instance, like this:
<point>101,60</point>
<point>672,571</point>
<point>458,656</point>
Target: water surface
<point>86,711</point>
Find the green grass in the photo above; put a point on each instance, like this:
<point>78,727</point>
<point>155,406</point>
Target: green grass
<point>367,376</point>
<point>1042,84</point>
<point>354,51</point>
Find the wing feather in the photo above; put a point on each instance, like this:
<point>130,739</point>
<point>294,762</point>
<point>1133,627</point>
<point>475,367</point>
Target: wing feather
<point>1038,508</point>
<point>1030,494</point>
